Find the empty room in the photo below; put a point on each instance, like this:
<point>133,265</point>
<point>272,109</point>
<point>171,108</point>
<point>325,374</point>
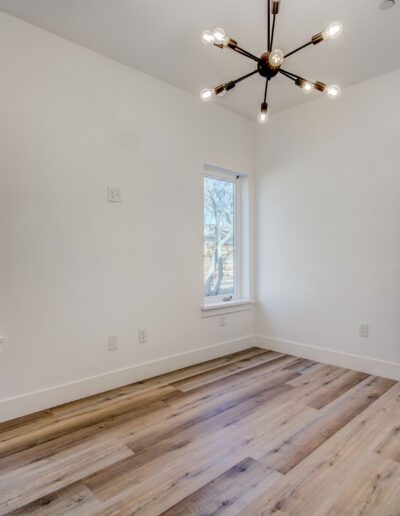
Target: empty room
<point>200,257</point>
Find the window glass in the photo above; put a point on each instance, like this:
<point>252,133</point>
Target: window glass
<point>219,237</point>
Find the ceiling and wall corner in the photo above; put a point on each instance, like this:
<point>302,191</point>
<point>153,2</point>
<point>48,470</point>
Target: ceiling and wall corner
<point>163,39</point>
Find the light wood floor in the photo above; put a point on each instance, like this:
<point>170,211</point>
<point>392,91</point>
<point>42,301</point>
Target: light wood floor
<point>256,432</point>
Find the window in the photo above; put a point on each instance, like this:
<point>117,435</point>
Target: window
<point>221,237</point>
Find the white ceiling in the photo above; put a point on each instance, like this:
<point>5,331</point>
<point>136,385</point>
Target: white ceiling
<point>162,38</point>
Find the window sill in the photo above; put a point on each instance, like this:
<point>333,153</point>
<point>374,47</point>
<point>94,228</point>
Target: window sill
<point>227,307</point>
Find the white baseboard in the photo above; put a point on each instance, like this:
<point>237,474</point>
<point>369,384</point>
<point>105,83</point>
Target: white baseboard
<point>329,356</point>
<point>41,400</point>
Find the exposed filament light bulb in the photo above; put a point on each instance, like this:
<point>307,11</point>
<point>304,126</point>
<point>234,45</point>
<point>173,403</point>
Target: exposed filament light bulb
<point>263,116</point>
<point>276,58</point>
<point>220,37</point>
<point>333,91</point>
<point>206,95</point>
<point>307,87</point>
<point>207,37</point>
<point>333,31</point>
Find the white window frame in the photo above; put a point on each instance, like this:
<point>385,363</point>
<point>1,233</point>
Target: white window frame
<point>232,178</point>
<point>241,300</point>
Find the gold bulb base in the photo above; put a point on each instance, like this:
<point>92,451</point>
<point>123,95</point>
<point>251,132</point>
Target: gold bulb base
<point>275,7</point>
<point>320,86</point>
<point>219,89</point>
<point>232,43</point>
<point>317,38</point>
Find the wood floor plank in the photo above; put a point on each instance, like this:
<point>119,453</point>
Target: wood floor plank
<point>315,374</point>
<point>229,493</point>
<point>370,488</point>
<point>250,433</point>
<point>298,443</point>
<point>223,406</point>
<point>187,372</point>
<point>40,452</point>
<point>302,366</point>
<point>103,400</point>
<point>390,446</point>
<point>324,385</point>
<point>302,491</point>
<point>25,425</point>
<point>235,382</point>
<point>150,446</point>
<point>74,500</point>
<point>159,444</point>
<point>188,412</point>
<point>106,428</point>
<point>335,388</point>
<point>159,485</point>
<point>57,428</point>
<point>223,372</point>
<point>29,482</point>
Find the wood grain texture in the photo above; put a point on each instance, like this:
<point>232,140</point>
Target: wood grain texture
<point>252,433</point>
<point>390,446</point>
<point>228,494</point>
<point>26,483</point>
<point>295,445</point>
<point>76,499</point>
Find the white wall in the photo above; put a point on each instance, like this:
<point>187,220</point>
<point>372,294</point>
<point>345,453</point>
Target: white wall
<point>74,268</point>
<point>328,235</point>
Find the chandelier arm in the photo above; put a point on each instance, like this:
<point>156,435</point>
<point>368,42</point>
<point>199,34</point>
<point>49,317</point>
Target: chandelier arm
<point>245,76</point>
<point>272,33</point>
<point>269,22</point>
<point>245,53</point>
<point>298,49</point>
<point>266,90</point>
<point>291,75</point>
<point>284,72</point>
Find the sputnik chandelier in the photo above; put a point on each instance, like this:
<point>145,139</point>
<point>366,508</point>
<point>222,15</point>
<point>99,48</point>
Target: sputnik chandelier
<point>270,62</point>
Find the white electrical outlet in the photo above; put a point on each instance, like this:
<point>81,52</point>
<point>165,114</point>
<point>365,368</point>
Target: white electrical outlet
<point>222,320</point>
<point>114,194</point>
<point>142,335</point>
<point>113,343</point>
<point>363,330</point>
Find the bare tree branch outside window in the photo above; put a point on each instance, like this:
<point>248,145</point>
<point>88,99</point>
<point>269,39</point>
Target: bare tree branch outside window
<point>219,244</point>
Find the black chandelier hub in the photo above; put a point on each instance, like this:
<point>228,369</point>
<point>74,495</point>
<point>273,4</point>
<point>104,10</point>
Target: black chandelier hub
<point>264,67</point>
